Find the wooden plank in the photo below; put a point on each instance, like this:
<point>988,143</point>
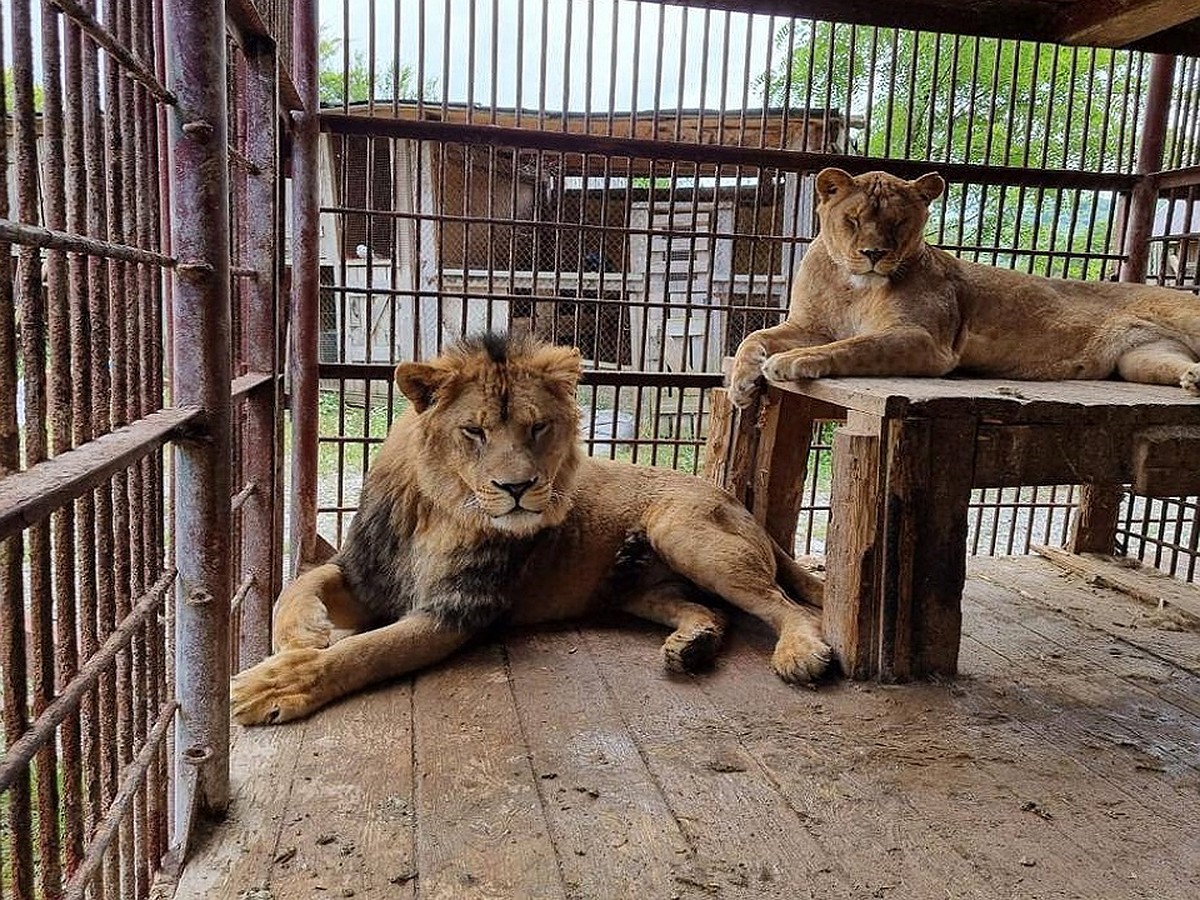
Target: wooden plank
<point>609,821</point>
<point>233,859</point>
<point>804,742</point>
<point>745,837</point>
<point>850,616</point>
<point>1009,401</point>
<point>1164,462</point>
<point>720,433</point>
<point>743,454</point>
<point>923,567</point>
<point>1094,528</point>
<point>30,496</point>
<point>349,821</point>
<point>786,428</point>
<point>481,828</point>
<point>1117,23</point>
<point>1140,582</point>
<point>1019,455</point>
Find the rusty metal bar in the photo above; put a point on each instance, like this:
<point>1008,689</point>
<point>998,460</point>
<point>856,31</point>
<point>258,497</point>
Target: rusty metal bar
<point>261,545</point>
<point>41,732</point>
<point>730,156</point>
<point>119,51</point>
<point>28,497</point>
<point>196,72</point>
<point>249,383</point>
<point>1150,154</point>
<point>306,284</point>
<point>48,239</point>
<point>131,781</point>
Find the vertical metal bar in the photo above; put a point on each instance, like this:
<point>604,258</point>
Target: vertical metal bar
<point>259,547</point>
<point>1142,199</point>
<point>195,55</point>
<point>306,283</point>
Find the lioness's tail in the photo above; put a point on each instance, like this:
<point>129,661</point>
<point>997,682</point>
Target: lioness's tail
<point>797,581</point>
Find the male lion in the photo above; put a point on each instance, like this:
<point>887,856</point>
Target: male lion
<point>872,298</point>
<point>481,508</point>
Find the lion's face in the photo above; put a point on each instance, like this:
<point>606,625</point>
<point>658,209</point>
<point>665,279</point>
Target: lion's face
<point>874,224</point>
<point>499,430</point>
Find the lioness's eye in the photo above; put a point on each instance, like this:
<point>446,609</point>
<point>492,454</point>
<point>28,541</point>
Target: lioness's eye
<point>474,432</point>
<point>851,222</point>
<point>539,428</point>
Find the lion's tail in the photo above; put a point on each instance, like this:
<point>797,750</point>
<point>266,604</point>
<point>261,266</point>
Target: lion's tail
<point>799,582</point>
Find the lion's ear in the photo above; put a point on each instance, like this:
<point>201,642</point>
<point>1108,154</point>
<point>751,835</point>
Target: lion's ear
<point>833,181</point>
<point>930,186</point>
<point>561,364</point>
<point>419,382</point>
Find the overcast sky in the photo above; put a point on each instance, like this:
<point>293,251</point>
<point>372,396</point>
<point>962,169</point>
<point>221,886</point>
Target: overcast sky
<point>736,37</point>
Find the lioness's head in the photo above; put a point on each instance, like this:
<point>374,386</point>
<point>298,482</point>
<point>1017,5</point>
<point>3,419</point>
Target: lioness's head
<point>873,224</point>
<point>498,427</point>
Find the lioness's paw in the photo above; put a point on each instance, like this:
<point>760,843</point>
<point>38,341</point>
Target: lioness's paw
<point>800,657</point>
<point>792,365</point>
<point>746,377</point>
<point>1190,380</point>
<point>691,650</point>
<point>307,628</point>
<point>281,687</point>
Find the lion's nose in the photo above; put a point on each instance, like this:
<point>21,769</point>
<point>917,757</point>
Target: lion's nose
<point>874,255</point>
<point>515,488</point>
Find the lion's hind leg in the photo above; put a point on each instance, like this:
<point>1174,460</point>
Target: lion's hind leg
<point>698,630</point>
<point>1163,361</point>
<point>316,610</point>
<point>717,545</point>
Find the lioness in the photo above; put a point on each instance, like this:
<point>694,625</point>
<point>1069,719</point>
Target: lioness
<point>481,507</point>
<point>872,298</point>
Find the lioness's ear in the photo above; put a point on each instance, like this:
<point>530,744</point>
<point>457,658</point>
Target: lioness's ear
<point>419,382</point>
<point>833,181</point>
<point>560,364</point>
<point>930,186</point>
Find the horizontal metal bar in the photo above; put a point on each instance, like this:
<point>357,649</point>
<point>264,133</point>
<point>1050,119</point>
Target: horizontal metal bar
<point>243,272</point>
<point>1177,178</point>
<point>713,154</point>
<point>132,780</point>
<point>251,381</point>
<point>36,236</point>
<point>105,38</point>
<point>18,756</point>
<point>621,377</point>
<point>28,497</point>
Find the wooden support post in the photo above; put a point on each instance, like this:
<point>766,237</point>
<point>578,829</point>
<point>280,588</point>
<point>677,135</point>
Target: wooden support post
<point>785,434</point>
<point>930,464</point>
<point>721,416</point>
<point>1094,529</point>
<point>851,612</point>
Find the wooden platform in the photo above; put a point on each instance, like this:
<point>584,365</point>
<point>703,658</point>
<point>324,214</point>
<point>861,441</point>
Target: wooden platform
<point>1063,762</point>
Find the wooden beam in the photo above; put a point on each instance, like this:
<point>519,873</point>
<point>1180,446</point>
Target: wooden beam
<point>1142,583</point>
<point>1116,23</point>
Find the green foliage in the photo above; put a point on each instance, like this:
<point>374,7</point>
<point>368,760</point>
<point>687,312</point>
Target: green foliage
<point>946,98</point>
<point>343,80</point>
<point>10,95</point>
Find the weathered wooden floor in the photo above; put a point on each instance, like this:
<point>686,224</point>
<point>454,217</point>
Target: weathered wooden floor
<point>1064,762</point>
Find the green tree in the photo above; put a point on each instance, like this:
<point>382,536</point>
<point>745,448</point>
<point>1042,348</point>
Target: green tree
<point>341,83</point>
<point>946,98</point>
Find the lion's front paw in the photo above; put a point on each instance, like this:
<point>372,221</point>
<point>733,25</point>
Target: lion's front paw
<point>746,377</point>
<point>691,650</point>
<point>800,656</point>
<point>1190,380</point>
<point>794,365</point>
<point>285,686</point>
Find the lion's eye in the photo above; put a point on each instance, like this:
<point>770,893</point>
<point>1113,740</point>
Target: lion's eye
<point>474,432</point>
<point>851,222</point>
<point>539,428</point>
